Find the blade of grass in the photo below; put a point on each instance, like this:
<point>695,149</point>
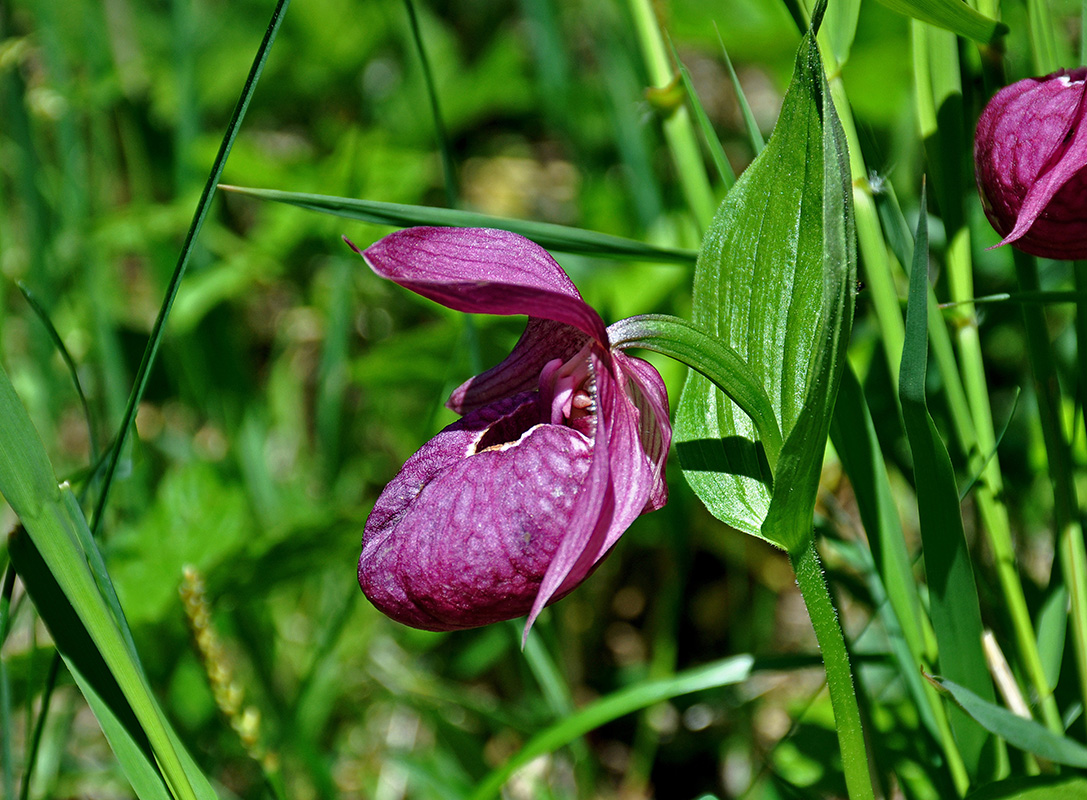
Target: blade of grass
<point>1052,627</point>
<point>449,172</point>
<point>202,207</point>
<point>939,104</point>
<point>753,132</point>
<point>97,565</point>
<point>1069,531</point>
<point>7,726</point>
<point>1026,734</point>
<point>51,516</point>
<point>951,15</point>
<point>953,599</point>
<point>854,436</point>
<point>115,714</point>
<point>39,725</point>
<point>546,234</point>
<point>43,317</point>
<point>1043,38</point>
<point>709,135</point>
<point>618,704</point>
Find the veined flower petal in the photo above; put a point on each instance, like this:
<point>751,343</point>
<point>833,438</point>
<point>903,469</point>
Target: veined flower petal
<point>461,537</point>
<point>483,271</point>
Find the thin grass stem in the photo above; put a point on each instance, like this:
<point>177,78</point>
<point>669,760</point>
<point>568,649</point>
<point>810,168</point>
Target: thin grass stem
<point>202,207</point>
<point>678,129</point>
<point>7,759</point>
<point>449,172</point>
<point>39,727</point>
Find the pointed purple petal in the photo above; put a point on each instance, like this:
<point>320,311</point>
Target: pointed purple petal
<point>616,490</point>
<point>483,271</point>
<point>650,397</point>
<point>543,340</point>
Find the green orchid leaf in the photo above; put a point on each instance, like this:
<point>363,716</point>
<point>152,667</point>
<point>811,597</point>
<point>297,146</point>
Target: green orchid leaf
<point>545,234</point>
<point>1026,734</point>
<point>775,282</point>
<point>953,598</point>
<point>953,15</point>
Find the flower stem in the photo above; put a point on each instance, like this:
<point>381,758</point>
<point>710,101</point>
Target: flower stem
<point>679,131</point>
<point>843,698</point>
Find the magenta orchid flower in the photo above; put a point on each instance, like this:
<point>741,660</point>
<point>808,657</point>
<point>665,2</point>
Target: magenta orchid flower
<point>1030,153</point>
<point>559,447</point>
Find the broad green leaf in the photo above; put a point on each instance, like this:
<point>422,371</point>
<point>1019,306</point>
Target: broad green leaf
<point>54,524</point>
<point>1026,734</point>
<point>953,15</point>
<point>1037,787</point>
<point>953,599</point>
<point>725,672</point>
<point>545,234</point>
<point>775,283</point>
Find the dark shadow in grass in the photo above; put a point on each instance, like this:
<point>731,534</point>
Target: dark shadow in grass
<point>732,455</point>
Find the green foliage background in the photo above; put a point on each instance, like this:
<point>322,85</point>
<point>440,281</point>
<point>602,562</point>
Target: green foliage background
<point>292,384</point>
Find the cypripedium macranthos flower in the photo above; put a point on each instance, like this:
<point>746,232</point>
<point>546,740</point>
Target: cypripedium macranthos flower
<point>1030,155</point>
<point>559,447</point>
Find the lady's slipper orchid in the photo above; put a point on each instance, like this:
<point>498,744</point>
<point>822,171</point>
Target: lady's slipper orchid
<point>559,448</point>
<point>1030,153</point>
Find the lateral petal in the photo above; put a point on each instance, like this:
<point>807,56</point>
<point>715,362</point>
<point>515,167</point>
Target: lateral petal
<point>615,491</point>
<point>543,340</point>
<point>650,397</point>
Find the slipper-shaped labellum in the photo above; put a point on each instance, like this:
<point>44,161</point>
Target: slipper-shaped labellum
<point>1030,154</point>
<point>559,447</point>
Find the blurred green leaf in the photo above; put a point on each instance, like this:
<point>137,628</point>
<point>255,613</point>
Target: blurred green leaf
<point>546,234</point>
<point>1026,734</point>
<point>1037,787</point>
<point>1052,627</point>
<point>953,598</point>
<point>754,135</point>
<point>775,282</point>
<point>841,27</point>
<point>953,15</point>
<point>725,672</point>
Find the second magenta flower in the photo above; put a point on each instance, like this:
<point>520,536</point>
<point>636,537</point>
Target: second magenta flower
<point>1030,154</point>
